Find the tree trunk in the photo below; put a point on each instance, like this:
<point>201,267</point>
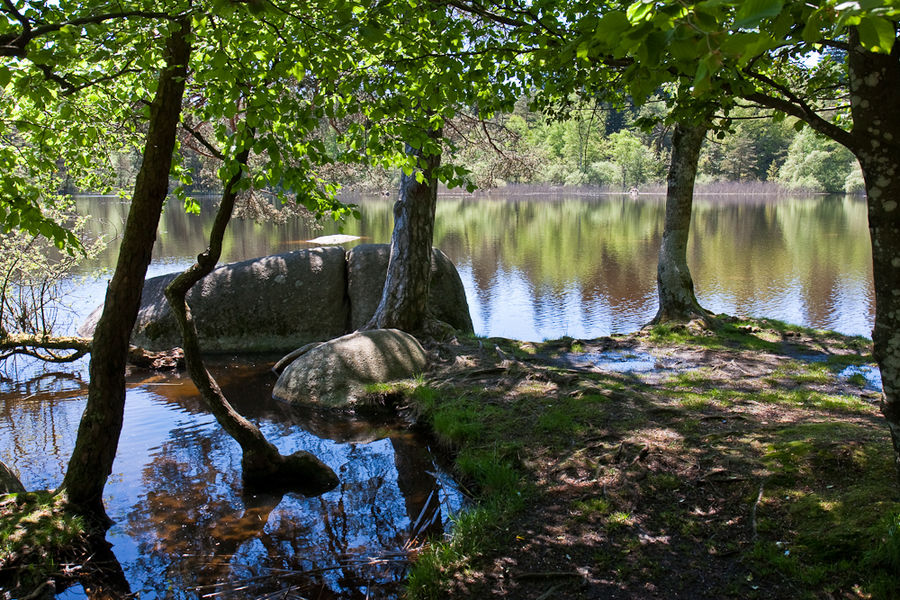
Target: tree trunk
<point>98,434</point>
<point>405,293</point>
<point>262,465</point>
<point>874,89</point>
<point>677,302</point>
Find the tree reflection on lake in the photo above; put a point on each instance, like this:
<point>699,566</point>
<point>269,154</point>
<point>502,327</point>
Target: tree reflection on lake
<point>183,525</point>
<point>539,266</point>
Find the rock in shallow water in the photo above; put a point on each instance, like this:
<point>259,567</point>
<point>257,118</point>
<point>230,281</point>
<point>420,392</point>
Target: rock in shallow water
<point>281,302</point>
<point>334,374</point>
<point>276,303</point>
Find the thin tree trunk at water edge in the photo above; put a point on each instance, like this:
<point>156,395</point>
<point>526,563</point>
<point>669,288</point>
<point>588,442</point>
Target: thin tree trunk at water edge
<point>98,434</point>
<point>262,465</point>
<point>405,293</point>
<point>677,302</point>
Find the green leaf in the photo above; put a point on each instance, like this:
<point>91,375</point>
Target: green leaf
<point>639,11</point>
<point>5,76</point>
<point>876,34</point>
<point>582,51</point>
<point>611,26</point>
<point>752,12</point>
<point>812,31</point>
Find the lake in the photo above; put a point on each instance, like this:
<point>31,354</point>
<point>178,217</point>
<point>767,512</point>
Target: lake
<point>535,265</point>
<point>538,265</point>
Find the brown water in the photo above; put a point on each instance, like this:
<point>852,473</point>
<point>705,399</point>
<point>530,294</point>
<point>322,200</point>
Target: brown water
<point>534,267</point>
<point>184,528</point>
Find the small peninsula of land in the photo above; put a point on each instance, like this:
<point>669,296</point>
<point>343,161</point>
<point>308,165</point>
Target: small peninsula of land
<point>747,462</point>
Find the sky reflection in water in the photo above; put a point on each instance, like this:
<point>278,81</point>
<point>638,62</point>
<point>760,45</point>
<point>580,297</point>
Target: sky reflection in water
<point>183,528</point>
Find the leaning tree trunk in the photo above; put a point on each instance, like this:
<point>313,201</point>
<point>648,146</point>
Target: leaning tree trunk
<point>874,88</point>
<point>98,433</point>
<point>405,292</point>
<point>262,465</point>
<point>677,302</point>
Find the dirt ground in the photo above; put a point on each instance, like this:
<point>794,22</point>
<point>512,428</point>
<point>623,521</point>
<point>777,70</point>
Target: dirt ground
<point>671,464</point>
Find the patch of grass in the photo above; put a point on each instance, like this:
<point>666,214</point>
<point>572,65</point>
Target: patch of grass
<point>618,520</point>
<point>592,508</point>
<point>822,519</point>
<point>475,531</point>
<point>36,534</point>
<point>828,478</point>
<point>857,379</point>
<point>883,561</point>
<point>802,372</point>
<point>814,399</point>
<point>664,482</point>
<point>457,423</point>
<point>556,420</point>
<point>839,361</point>
<point>695,401</point>
<point>739,335</point>
<point>693,378</point>
<point>472,533</point>
<point>491,472</point>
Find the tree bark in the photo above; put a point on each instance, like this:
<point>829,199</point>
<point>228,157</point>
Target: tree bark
<point>98,434</point>
<point>405,292</point>
<point>262,465</point>
<point>677,302</point>
<point>874,89</point>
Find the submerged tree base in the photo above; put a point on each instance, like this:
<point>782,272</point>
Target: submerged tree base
<point>299,472</point>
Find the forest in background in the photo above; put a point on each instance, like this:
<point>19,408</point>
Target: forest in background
<point>595,145</point>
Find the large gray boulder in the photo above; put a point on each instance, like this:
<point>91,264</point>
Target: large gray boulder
<point>334,374</point>
<point>367,270</point>
<point>274,303</point>
<point>281,302</point>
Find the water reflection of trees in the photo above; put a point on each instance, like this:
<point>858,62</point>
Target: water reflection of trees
<point>39,415</point>
<point>195,533</point>
<point>598,254</point>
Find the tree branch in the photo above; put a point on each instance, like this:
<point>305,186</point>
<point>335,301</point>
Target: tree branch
<point>14,44</point>
<point>795,106</point>
<point>213,151</point>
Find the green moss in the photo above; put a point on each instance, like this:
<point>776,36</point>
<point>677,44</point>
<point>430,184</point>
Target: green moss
<point>824,506</point>
<point>36,535</point>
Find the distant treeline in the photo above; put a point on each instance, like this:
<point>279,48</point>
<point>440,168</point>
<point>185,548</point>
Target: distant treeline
<point>597,145</point>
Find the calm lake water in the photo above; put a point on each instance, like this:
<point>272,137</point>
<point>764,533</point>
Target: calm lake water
<point>534,267</point>
<point>538,266</point>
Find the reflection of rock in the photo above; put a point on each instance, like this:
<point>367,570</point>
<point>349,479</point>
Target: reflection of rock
<point>281,302</point>
<point>366,272</point>
<point>336,372</point>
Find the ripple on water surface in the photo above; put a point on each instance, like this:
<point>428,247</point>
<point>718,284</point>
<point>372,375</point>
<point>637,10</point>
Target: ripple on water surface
<point>184,528</point>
